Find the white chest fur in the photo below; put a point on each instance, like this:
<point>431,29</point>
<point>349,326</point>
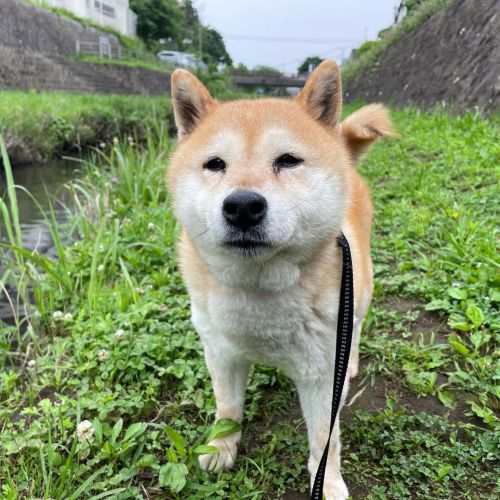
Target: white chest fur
<point>285,330</point>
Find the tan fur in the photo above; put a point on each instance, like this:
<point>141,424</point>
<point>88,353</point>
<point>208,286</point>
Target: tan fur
<point>303,274</point>
<point>365,126</point>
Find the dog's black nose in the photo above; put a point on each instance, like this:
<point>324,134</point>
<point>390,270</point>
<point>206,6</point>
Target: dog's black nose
<point>244,209</point>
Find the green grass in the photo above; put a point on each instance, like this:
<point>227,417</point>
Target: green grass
<point>152,63</point>
<point>109,340</point>
<point>370,52</point>
<point>38,126</point>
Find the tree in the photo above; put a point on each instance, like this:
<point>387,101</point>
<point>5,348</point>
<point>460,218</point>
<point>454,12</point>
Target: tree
<point>266,70</point>
<point>214,48</point>
<point>311,60</point>
<point>179,23</point>
<point>158,19</point>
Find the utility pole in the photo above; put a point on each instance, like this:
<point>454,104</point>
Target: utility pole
<point>200,43</point>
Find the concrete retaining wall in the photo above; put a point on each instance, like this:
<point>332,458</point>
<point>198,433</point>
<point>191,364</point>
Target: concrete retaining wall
<point>38,48</point>
<point>24,71</point>
<point>32,29</point>
<point>452,58</point>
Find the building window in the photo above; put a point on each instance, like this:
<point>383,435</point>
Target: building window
<point>106,10</point>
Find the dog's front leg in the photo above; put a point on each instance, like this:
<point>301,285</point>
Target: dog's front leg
<point>315,399</point>
<point>229,379</point>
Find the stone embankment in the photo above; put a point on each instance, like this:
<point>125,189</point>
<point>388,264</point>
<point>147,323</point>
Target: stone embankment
<point>38,49</point>
<point>453,58</point>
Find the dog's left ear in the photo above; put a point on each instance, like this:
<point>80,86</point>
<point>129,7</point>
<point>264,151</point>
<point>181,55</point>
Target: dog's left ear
<point>322,94</point>
<point>191,101</point>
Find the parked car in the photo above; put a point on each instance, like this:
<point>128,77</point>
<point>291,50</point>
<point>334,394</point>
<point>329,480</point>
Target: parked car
<point>182,59</point>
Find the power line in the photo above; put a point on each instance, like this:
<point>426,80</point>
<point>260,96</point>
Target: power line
<point>278,39</point>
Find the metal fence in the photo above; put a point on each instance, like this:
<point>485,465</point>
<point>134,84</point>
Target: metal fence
<point>105,49</point>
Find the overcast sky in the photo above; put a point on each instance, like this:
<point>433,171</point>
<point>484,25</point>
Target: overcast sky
<point>323,27</point>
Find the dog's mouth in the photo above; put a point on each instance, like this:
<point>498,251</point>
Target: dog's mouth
<point>247,246</point>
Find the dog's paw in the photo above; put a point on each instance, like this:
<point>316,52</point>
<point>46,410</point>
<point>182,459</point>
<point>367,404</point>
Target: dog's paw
<point>227,446</point>
<point>335,490</point>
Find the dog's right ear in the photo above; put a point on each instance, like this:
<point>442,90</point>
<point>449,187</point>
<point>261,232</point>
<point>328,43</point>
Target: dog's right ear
<point>191,101</point>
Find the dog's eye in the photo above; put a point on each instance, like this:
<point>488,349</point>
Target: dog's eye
<point>287,160</point>
<point>215,164</point>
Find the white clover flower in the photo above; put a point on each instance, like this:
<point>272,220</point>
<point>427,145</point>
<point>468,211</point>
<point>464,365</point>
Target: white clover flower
<point>139,290</point>
<point>31,363</point>
<point>103,355</point>
<point>57,315</point>
<point>100,268</point>
<point>101,248</point>
<point>115,141</point>
<point>68,317</point>
<point>151,226</point>
<point>84,430</point>
<point>119,334</point>
<point>102,145</point>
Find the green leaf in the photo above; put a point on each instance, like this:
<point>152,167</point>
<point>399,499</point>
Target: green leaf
<point>177,440</point>
<point>479,338</point>
<point>223,427</point>
<point>205,449</point>
<point>484,413</point>
<point>173,476</point>
<point>495,296</point>
<point>443,471</point>
<point>437,305</point>
<point>448,399</point>
<point>117,428</point>
<point>462,326</point>
<point>96,424</point>
<point>135,430</point>
<point>457,293</point>
<point>172,456</point>
<point>475,315</point>
<point>458,346</point>
<point>55,458</point>
<point>147,461</point>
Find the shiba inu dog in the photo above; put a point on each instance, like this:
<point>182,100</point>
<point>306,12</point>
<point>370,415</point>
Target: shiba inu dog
<point>262,188</point>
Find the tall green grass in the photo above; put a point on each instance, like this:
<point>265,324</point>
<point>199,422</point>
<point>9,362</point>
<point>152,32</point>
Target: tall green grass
<point>38,126</point>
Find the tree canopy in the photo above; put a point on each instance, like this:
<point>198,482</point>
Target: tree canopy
<point>179,27</point>
<point>311,60</point>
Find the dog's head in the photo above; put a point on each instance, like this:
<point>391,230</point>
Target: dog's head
<point>256,179</point>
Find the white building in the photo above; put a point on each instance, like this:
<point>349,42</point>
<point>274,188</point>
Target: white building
<point>114,13</point>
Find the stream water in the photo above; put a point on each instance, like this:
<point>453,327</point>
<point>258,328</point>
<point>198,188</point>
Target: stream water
<point>45,182</point>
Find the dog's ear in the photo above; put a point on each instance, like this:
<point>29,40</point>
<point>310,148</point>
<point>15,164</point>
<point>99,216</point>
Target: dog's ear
<point>191,101</point>
<point>366,125</point>
<point>322,94</point>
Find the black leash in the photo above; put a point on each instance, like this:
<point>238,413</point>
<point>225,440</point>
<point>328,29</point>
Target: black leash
<point>344,338</point>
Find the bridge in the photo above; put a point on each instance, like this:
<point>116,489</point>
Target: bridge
<point>268,81</point>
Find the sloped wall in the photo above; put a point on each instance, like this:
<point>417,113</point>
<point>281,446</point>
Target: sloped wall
<point>37,52</point>
<point>27,70</point>
<point>32,29</point>
<point>452,58</point>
